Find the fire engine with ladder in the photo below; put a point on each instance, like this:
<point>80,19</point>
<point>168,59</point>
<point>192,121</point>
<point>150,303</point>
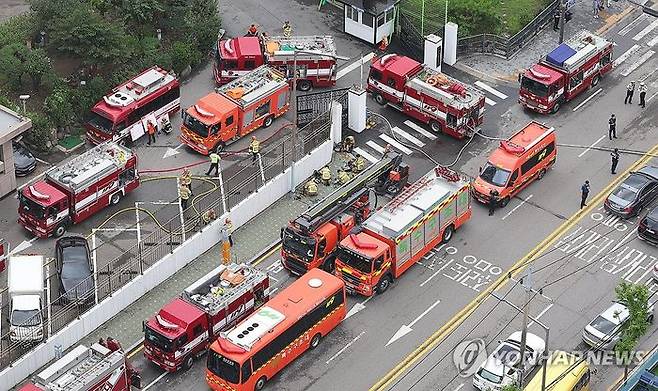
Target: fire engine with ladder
<point>75,190</point>
<point>398,235</point>
<point>315,58</point>
<point>568,70</point>
<point>309,241</point>
<point>235,110</point>
<point>446,104</point>
<point>184,328</point>
<point>94,368</point>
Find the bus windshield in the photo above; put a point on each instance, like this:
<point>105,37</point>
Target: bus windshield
<point>195,125</point>
<point>30,207</point>
<point>354,259</point>
<point>101,123</point>
<point>223,367</point>
<point>303,246</point>
<point>494,175</point>
<point>534,87</point>
<point>161,342</point>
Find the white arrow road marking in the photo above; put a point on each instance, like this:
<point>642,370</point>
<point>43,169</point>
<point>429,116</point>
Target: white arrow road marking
<point>490,89</point>
<point>23,245</point>
<point>338,353</point>
<point>172,151</point>
<point>358,307</point>
<point>404,329</point>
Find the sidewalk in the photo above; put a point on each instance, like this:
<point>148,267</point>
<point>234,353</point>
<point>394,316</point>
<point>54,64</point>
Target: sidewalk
<point>487,66</point>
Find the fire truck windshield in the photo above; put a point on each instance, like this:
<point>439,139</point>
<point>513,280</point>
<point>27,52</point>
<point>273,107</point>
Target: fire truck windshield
<point>30,207</point>
<point>99,122</point>
<point>25,318</point>
<point>534,87</point>
<point>195,125</point>
<point>161,342</point>
<point>354,259</point>
<point>223,367</point>
<point>494,175</point>
<point>302,246</point>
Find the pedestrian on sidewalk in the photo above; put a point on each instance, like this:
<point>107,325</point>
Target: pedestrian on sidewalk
<point>615,159</point>
<point>556,19</point>
<point>630,90</point>
<point>595,6</point>
<point>287,29</point>
<point>228,229</point>
<point>612,131</point>
<point>254,148</point>
<point>643,94</point>
<point>493,201</point>
<point>584,193</point>
<point>185,193</point>
<point>186,179</point>
<point>150,128</point>
<point>214,163</point>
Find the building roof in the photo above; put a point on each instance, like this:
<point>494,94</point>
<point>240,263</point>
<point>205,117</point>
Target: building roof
<point>211,108</point>
<point>374,7</point>
<point>12,124</point>
<point>238,47</point>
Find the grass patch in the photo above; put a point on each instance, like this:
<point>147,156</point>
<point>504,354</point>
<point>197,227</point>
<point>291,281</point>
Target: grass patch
<point>516,14</point>
<point>70,142</point>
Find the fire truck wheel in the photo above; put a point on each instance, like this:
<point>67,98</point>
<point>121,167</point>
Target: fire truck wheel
<point>59,231</point>
<point>503,202</point>
<point>268,121</point>
<point>595,80</point>
<point>436,127</point>
<point>116,197</point>
<point>541,174</point>
<point>383,285</point>
<point>315,341</point>
<point>260,383</point>
<point>380,99</point>
<point>304,85</point>
<point>447,234</point>
<point>188,362</point>
<point>556,108</point>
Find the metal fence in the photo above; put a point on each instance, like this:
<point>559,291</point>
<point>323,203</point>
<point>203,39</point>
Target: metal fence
<point>239,180</point>
<point>311,105</point>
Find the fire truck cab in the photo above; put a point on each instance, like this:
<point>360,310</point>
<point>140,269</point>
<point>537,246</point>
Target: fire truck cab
<point>236,57</point>
<point>568,70</point>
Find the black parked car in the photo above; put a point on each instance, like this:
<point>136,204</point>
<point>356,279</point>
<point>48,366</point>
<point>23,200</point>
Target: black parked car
<point>24,161</point>
<point>74,268</point>
<point>634,193</point>
<point>648,229</point>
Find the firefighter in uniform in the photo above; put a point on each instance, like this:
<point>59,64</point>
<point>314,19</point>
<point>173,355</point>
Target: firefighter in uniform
<point>228,227</point>
<point>208,216</point>
<point>326,175</point>
<point>253,30</point>
<point>357,164</point>
<point>254,148</point>
<point>310,188</point>
<point>185,194</point>
<point>150,128</point>
<point>343,177</point>
<point>348,144</point>
<point>186,179</point>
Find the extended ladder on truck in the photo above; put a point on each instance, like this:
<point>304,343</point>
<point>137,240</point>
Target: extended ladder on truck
<point>340,200</point>
<point>311,46</point>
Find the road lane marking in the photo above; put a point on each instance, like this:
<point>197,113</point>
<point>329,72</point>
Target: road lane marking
<point>652,96</point>
<point>489,101</point>
<point>395,144</point>
<point>267,255</point>
<point>157,379</point>
<point>408,137</point>
<point>588,99</point>
<point>632,24</point>
<point>519,267</point>
<point>406,329</point>
<point>420,130</point>
<point>435,273</point>
<point>591,146</point>
<point>490,89</point>
<point>375,146</point>
<point>366,155</point>
<point>344,71</point>
<point>459,387</point>
<point>358,307</point>
<point>646,30</point>
<point>637,63</point>
<point>653,41</point>
<point>540,314</point>
<point>625,55</point>
<point>338,353</point>
<point>517,207</point>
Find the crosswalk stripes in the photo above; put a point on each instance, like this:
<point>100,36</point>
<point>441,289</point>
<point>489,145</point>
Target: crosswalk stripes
<point>366,155</point>
<point>490,89</point>
<point>632,24</point>
<point>637,63</point>
<point>395,144</point>
<point>489,101</point>
<point>653,42</point>
<point>408,137</point>
<point>375,146</point>
<point>646,30</point>
<point>625,55</point>
<point>420,130</point>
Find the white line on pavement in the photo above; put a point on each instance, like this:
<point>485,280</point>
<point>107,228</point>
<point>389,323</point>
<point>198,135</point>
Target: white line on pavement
<point>540,314</point>
<point>631,25</point>
<point>345,347</point>
<point>375,146</point>
<point>517,207</point>
<point>435,273</point>
<point>43,161</point>
<point>366,155</point>
<point>489,101</point>
<point>459,387</point>
<point>395,144</point>
<point>157,379</point>
<point>490,89</point>
<point>646,30</point>
<point>651,97</point>
<point>591,146</point>
<point>344,71</point>
<point>420,130</point>
<point>625,55</point>
<point>637,63</point>
<point>653,41</point>
<point>588,99</point>
<point>408,137</point>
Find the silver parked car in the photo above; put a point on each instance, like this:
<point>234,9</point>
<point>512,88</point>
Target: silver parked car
<point>604,331</point>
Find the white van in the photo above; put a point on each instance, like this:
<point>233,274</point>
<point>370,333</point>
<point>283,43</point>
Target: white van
<point>26,287</point>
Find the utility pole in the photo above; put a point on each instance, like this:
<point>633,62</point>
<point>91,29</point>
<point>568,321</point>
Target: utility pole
<point>527,284</point>
<point>563,15</point>
<point>422,18</point>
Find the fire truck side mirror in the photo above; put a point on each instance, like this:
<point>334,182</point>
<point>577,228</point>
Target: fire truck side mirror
<point>144,326</point>
<point>480,169</point>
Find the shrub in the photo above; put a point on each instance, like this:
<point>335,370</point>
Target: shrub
<point>182,55</point>
<point>86,96</point>
<point>11,64</point>
<point>17,29</point>
<point>58,106</point>
<point>40,137</point>
<point>203,23</point>
<point>37,66</point>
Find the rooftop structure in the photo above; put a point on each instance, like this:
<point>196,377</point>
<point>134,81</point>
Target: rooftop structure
<point>252,86</point>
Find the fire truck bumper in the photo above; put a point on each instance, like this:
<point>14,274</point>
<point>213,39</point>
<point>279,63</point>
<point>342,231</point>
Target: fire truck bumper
<point>480,197</point>
<point>162,363</point>
<point>36,231</point>
<point>539,108</point>
<point>199,148</point>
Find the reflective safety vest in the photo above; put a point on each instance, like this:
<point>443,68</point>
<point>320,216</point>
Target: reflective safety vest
<point>214,158</point>
<point>343,177</point>
<point>326,173</point>
<point>186,179</point>
<point>311,188</point>
<point>254,147</point>
<point>360,164</point>
<point>184,192</point>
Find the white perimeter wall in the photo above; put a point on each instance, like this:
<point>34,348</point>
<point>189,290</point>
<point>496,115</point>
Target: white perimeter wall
<point>193,247</point>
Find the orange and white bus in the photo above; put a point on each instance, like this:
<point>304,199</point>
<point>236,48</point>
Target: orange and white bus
<point>292,322</point>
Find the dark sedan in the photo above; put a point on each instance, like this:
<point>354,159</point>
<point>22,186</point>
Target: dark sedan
<point>24,161</point>
<point>648,229</point>
<point>74,268</point>
<point>634,193</point>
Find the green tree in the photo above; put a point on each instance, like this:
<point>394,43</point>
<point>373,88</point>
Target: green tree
<point>511,387</point>
<point>17,29</point>
<point>182,55</point>
<point>40,137</point>
<point>58,106</point>
<point>636,299</point>
<point>141,14</point>
<point>37,65</point>
<point>12,68</point>
<point>202,23</point>
<point>86,96</point>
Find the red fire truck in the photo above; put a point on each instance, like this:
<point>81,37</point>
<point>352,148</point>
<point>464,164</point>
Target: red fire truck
<point>316,58</point>
<point>75,190</point>
<point>149,96</point>
<point>183,329</point>
<point>568,70</point>
<point>235,110</point>
<point>96,368</point>
<point>4,253</point>
<point>434,98</point>
<point>425,214</point>
<point>309,241</point>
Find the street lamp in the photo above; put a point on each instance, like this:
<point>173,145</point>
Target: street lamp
<point>24,99</point>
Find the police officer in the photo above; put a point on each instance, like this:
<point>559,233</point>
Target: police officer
<point>186,179</point>
<point>214,163</point>
<point>612,131</point>
<point>556,20</point>
<point>643,94</point>
<point>493,201</point>
<point>615,159</point>
<point>311,188</point>
<point>325,172</point>
<point>185,194</point>
<point>254,148</point>
<point>630,90</point>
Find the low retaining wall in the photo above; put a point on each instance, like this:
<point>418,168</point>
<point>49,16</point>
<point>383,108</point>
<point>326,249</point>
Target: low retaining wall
<point>193,247</point>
